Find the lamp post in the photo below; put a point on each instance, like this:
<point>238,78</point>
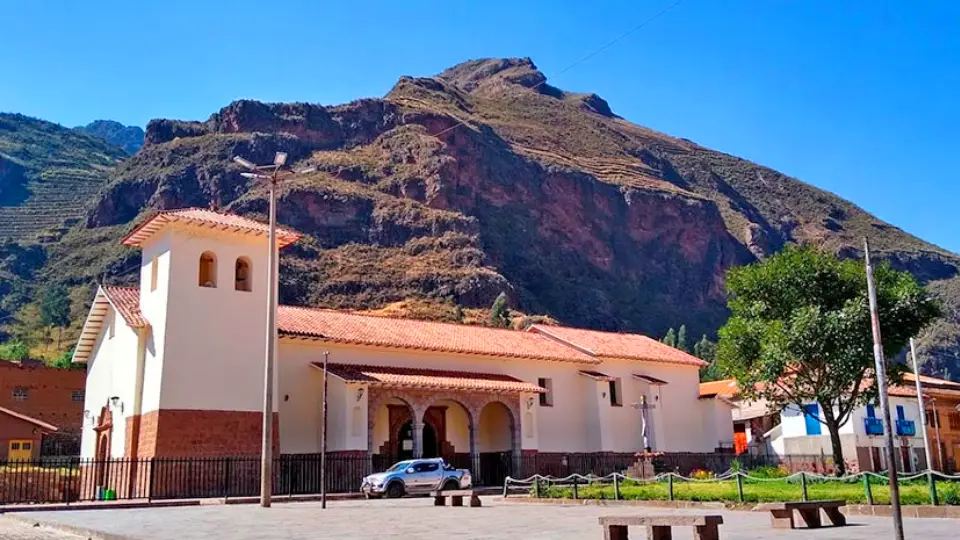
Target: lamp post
<point>881,381</point>
<point>272,173</point>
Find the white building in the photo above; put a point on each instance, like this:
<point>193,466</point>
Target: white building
<point>176,369</point>
<point>797,432</point>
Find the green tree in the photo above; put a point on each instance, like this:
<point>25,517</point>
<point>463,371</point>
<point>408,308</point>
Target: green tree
<point>682,338</point>
<point>500,312</point>
<point>65,361</point>
<point>671,338</point>
<point>800,327</point>
<point>16,351</point>
<point>706,350</point>
<point>55,309</point>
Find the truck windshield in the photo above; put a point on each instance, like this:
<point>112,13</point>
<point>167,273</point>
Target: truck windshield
<point>399,466</point>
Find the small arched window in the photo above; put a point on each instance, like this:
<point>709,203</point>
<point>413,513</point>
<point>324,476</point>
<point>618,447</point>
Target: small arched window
<point>243,275</point>
<point>208,270</point>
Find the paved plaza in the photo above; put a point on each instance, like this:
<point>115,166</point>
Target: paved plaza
<point>417,519</point>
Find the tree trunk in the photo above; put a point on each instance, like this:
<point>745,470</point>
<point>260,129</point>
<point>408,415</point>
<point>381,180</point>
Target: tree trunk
<point>59,335</point>
<point>833,429</point>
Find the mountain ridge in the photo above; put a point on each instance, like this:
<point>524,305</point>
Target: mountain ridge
<point>485,178</point>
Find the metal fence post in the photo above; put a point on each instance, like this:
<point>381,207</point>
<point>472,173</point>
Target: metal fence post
<point>574,488</point>
<point>536,487</point>
<point>934,500</point>
<point>153,471</point>
<point>740,486</point>
<point>226,479</point>
<point>803,485</point>
<point>670,485</point>
<point>616,487</point>
<point>866,489</point>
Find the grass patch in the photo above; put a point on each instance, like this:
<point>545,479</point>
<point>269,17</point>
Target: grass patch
<point>913,492</point>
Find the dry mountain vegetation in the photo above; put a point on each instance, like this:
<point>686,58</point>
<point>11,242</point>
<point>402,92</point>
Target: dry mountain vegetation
<point>545,194</point>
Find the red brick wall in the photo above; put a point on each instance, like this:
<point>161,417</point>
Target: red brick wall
<point>192,433</point>
<point>49,392</point>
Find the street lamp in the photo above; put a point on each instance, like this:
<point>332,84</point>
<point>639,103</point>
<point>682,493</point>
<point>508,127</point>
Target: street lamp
<point>273,174</point>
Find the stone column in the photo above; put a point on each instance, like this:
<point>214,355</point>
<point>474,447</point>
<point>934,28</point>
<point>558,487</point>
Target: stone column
<point>417,423</point>
<point>475,445</point>
<point>517,434</point>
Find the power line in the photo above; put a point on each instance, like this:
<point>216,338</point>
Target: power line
<point>609,44</point>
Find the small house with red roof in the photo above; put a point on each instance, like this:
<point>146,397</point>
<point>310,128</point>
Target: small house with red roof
<point>176,368</point>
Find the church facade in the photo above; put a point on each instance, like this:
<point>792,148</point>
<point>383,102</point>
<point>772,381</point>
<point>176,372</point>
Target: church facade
<point>176,369</point>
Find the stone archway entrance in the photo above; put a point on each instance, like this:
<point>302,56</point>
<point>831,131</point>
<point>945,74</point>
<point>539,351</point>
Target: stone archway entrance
<point>431,446</point>
<point>497,443</point>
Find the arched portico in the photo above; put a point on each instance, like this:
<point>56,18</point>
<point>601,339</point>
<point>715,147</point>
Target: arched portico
<point>458,426</point>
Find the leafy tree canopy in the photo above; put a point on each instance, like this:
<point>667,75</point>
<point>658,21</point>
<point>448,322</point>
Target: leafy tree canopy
<point>800,327</point>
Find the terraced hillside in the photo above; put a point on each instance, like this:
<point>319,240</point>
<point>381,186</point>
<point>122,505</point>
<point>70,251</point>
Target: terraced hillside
<point>482,179</point>
<point>48,174</point>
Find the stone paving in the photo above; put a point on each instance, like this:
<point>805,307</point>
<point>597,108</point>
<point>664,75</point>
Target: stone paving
<point>417,519</point>
<point>15,530</point>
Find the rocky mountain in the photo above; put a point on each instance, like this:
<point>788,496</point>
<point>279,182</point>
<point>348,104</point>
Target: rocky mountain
<point>482,179</point>
<point>130,138</point>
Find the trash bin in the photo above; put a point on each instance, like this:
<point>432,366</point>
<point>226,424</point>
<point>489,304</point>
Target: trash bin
<point>111,495</point>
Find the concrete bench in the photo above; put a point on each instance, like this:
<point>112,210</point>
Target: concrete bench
<point>781,514</point>
<point>661,527</point>
<point>456,497</point>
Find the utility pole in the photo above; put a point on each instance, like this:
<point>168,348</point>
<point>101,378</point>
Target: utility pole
<point>272,173</point>
<point>323,437</point>
<point>923,408</point>
<point>936,425</point>
<point>881,380</point>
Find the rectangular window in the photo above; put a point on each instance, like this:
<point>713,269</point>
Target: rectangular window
<point>26,446</point>
<point>871,412</point>
<point>153,274</point>
<point>20,394</point>
<point>811,415</point>
<point>546,398</point>
<point>954,420</point>
<point>616,393</point>
<point>900,413</point>
<point>76,395</point>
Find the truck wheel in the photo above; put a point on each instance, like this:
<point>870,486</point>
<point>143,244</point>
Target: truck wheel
<point>395,490</point>
<point>451,485</point>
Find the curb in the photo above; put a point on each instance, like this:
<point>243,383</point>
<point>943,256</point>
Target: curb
<point>89,534</point>
<point>131,505</point>
<point>876,510</point>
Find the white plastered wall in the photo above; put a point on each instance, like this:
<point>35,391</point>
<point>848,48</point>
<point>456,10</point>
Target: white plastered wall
<point>111,372</point>
<point>570,425</point>
<point>212,341</point>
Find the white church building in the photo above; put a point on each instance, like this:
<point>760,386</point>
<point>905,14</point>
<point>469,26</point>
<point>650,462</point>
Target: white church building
<point>176,369</point>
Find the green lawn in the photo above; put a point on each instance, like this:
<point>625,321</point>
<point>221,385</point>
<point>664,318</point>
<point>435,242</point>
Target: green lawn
<point>913,492</point>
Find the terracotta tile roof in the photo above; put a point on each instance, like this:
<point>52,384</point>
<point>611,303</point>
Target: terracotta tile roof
<point>616,345</point>
<point>597,376</point>
<point>399,377</point>
<point>652,380</point>
<point>727,388</point>
<point>126,300</point>
<point>39,423</point>
<point>204,218</point>
<point>930,383</point>
<point>354,328</point>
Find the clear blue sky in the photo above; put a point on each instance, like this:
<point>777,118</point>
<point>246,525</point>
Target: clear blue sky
<point>857,97</point>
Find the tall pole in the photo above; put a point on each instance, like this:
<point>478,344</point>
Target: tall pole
<point>923,408</point>
<point>323,437</point>
<point>936,424</point>
<point>266,459</point>
<point>881,380</point>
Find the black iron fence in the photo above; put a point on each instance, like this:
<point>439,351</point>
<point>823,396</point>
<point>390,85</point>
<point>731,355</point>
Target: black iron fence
<point>67,480</point>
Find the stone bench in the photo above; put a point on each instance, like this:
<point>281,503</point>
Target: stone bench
<point>456,497</point>
<point>781,514</point>
<point>661,527</point>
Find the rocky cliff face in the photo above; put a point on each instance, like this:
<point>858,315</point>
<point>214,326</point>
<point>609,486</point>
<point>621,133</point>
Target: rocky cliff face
<point>129,138</point>
<point>487,179</point>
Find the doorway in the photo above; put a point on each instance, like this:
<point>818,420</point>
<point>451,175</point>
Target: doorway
<point>20,450</point>
<point>430,447</point>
